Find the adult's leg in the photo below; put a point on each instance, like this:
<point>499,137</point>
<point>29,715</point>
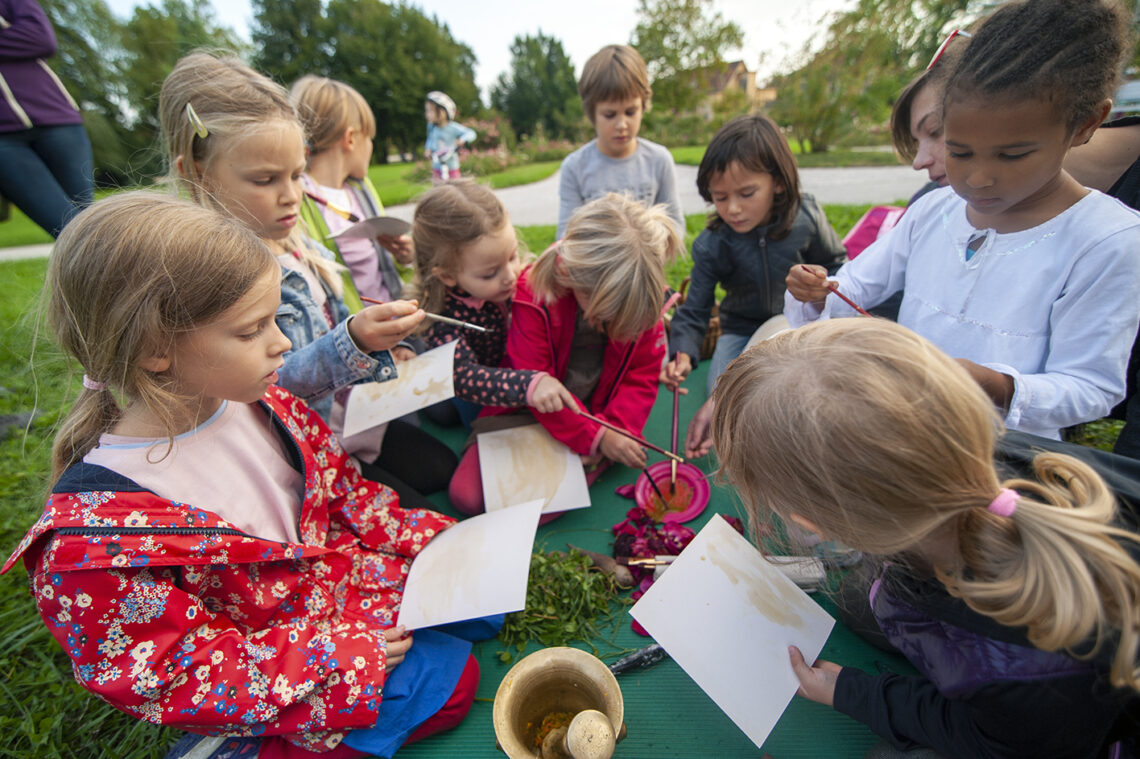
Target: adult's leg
<point>66,151</point>
<point>416,457</point>
<point>29,183</point>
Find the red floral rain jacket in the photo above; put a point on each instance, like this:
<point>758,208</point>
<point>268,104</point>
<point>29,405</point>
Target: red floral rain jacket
<point>172,615</point>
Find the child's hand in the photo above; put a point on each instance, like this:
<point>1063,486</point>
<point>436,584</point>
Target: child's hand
<point>403,353</point>
<point>816,683</point>
<point>551,396</point>
<point>400,247</point>
<point>676,370</point>
<point>999,387</point>
<point>698,438</point>
<point>807,283</point>
<point>381,327</point>
<point>621,449</point>
<point>399,641</point>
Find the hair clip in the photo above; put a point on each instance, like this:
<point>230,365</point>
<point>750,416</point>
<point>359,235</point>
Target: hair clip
<point>199,128</point>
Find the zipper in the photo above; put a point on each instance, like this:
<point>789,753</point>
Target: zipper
<point>763,242</point>
<point>113,531</point>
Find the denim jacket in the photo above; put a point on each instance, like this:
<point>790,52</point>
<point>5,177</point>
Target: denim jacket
<point>322,360</point>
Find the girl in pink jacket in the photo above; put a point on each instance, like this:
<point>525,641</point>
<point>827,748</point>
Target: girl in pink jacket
<point>588,313</point>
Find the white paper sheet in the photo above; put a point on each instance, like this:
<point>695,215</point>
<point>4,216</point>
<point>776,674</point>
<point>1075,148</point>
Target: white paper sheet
<point>727,617</point>
<point>524,464</point>
<point>375,225</point>
<point>475,568</point>
<point>424,380</point>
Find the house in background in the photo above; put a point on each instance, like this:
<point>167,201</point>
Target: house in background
<point>735,78</point>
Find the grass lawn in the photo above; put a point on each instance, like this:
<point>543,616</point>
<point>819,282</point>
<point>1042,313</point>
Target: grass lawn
<point>692,155</point>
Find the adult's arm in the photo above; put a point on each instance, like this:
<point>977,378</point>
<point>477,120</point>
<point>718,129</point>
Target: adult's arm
<point>25,32</point>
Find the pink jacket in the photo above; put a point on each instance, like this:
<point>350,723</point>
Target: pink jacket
<point>539,339</point>
<point>171,615</point>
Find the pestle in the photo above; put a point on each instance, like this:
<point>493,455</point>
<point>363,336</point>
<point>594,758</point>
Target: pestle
<point>589,736</point>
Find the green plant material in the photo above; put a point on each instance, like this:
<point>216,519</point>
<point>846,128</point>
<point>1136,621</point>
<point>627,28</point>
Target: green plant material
<point>567,600</point>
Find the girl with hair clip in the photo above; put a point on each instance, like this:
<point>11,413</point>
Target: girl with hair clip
<point>234,143</point>
<point>1017,600</point>
<point>257,602</point>
<point>340,128</point>
<point>467,266</point>
<point>588,313</point>
<point>1029,279</point>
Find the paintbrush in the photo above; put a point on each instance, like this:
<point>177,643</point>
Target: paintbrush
<point>348,215</point>
<point>630,435</point>
<point>437,317</point>
<point>835,289</point>
<point>653,482</point>
<point>673,462</point>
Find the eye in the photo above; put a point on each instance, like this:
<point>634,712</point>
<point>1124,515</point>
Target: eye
<point>263,181</point>
<point>1013,157</point>
<point>747,193</point>
<point>958,155</point>
<point>718,198</point>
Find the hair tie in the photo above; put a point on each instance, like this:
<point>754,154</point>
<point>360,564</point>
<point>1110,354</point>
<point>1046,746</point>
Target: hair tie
<point>1005,503</point>
<point>91,384</point>
<point>196,122</point>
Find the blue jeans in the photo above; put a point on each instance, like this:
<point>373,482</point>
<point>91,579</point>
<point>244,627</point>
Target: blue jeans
<point>728,347</point>
<point>48,173</point>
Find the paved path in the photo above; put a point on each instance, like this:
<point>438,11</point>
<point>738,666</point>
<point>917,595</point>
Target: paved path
<point>537,203</point>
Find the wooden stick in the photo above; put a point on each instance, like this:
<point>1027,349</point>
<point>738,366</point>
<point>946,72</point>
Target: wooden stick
<point>673,462</point>
<point>349,215</point>
<point>656,489</point>
<point>437,317</point>
<point>835,289</point>
<point>630,435</point>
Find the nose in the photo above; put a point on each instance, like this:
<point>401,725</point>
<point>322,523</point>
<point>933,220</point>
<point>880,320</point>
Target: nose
<point>291,193</point>
<point>279,344</point>
<point>922,159</point>
<point>978,179</point>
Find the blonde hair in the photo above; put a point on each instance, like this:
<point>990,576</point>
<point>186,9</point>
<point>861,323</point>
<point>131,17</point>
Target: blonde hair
<point>328,108</point>
<point>233,102</point>
<point>614,253</point>
<point>616,72</point>
<point>448,218</point>
<point>885,443</point>
<point>126,277</point>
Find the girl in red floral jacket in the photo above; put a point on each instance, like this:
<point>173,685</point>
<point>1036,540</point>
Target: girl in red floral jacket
<point>210,557</point>
<point>588,312</point>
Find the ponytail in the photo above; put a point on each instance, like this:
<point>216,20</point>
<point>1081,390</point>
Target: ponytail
<point>1056,566</point>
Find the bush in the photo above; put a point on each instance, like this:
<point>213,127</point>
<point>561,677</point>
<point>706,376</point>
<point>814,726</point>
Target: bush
<point>494,132</point>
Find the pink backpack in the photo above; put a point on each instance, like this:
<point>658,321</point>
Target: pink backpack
<point>870,227</point>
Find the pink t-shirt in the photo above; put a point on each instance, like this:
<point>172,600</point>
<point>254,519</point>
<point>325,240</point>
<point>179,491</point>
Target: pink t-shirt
<point>233,464</point>
<point>359,255</point>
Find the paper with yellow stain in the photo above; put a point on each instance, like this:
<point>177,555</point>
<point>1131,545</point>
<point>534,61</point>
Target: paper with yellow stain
<point>524,464</point>
<point>727,616</point>
<point>420,382</point>
<point>472,569</point>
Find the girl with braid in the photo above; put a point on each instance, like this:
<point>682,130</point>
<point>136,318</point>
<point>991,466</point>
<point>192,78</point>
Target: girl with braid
<point>1016,599</point>
<point>1029,279</point>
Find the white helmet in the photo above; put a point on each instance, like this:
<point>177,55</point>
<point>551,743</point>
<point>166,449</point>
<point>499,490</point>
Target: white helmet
<point>443,101</point>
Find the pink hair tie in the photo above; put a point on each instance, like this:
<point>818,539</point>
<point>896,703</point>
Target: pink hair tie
<point>1005,503</point>
<point>91,384</point>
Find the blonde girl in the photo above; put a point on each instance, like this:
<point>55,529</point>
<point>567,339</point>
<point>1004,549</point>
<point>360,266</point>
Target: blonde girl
<point>203,520</point>
<point>234,143</point>
<point>340,129</point>
<point>1018,600</point>
<point>588,312</point>
<point>467,266</point>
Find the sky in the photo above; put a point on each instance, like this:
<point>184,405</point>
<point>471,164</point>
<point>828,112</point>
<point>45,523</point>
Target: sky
<point>774,30</point>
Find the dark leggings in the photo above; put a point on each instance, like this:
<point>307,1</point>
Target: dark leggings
<point>413,463</point>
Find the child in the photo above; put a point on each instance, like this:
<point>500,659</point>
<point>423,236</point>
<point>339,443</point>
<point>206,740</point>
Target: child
<point>615,93</point>
<point>467,264</point>
<point>259,600</point>
<point>340,127</point>
<point>1029,279</point>
<point>1017,600</point>
<point>588,312</point>
<point>762,227</point>
<point>444,136</point>
<point>234,141</point>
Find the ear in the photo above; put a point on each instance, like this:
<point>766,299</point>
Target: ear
<point>1086,128</point>
<point>443,276</point>
<point>155,364</point>
<point>349,138</point>
<point>804,522</point>
<point>179,166</point>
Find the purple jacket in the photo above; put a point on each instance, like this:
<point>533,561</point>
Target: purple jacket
<point>984,689</point>
<point>30,92</point>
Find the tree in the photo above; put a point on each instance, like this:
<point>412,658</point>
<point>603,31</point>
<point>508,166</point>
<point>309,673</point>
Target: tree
<point>683,44</point>
<point>540,88</point>
<point>288,37</point>
<point>868,54</point>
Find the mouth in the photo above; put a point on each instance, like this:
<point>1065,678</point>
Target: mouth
<point>941,179</point>
<point>289,220</point>
<point>985,203</point>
